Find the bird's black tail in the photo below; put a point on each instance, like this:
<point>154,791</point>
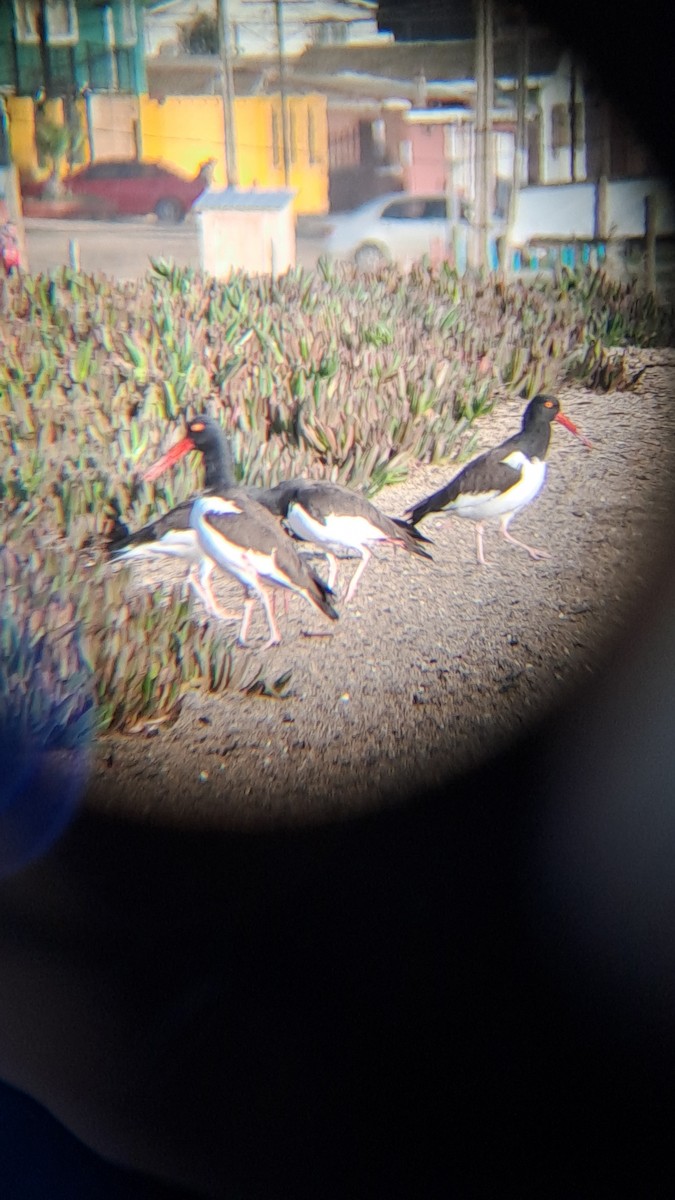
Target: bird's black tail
<point>418,511</point>
<point>322,595</point>
<point>410,528</point>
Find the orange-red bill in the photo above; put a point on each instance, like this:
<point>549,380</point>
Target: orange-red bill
<point>167,460</point>
<point>563,420</point>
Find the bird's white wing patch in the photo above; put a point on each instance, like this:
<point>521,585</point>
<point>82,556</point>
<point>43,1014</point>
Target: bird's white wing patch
<point>218,505</point>
<point>518,460</point>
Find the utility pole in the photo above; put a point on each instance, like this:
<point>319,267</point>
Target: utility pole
<point>43,48</point>
<point>519,158</point>
<point>600,230</point>
<point>573,121</point>
<point>519,178</point>
<point>484,103</point>
<point>285,138</point>
<point>225,45</point>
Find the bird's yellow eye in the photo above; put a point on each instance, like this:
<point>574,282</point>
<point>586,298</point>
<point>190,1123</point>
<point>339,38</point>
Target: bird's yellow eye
<point>548,404</point>
<point>197,426</point>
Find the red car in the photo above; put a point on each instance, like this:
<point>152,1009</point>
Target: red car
<point>127,187</point>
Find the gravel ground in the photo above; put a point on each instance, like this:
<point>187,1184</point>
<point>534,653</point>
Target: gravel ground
<point>435,664</point>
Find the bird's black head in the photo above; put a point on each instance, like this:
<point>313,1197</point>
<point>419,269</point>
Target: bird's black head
<point>204,433</point>
<point>542,410</point>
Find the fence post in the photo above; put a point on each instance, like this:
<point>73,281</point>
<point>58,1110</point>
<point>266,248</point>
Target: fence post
<point>650,244</point>
<point>600,214</point>
<point>74,254</point>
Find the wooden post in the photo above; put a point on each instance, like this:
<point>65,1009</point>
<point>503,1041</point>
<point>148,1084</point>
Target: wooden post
<point>484,103</point>
<point>43,49</point>
<point>15,211</point>
<point>519,175</point>
<point>278,12</point>
<point>600,211</point>
<point>650,244</point>
<point>600,231</point>
<point>573,121</point>
<point>227,80</point>
<point>89,121</point>
<point>520,142</point>
<point>451,205</point>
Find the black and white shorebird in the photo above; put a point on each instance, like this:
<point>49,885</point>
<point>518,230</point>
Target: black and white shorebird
<point>251,545</point>
<point>499,483</point>
<point>244,539</point>
<point>171,535</point>
<point>332,515</point>
<point>325,514</point>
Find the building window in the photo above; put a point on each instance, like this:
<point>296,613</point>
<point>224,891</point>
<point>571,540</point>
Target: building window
<point>311,137</point>
<point>329,33</point>
<point>26,20</point>
<point>561,133</point>
<point>276,140</point>
<point>61,21</point>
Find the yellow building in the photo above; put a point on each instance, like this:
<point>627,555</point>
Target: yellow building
<point>184,131</point>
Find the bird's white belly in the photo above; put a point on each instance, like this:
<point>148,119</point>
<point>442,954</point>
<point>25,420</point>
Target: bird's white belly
<point>179,543</point>
<point>248,565</point>
<point>338,530</point>
<point>226,555</point>
<point>483,506</point>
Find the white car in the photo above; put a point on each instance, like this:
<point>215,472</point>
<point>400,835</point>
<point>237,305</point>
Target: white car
<point>400,227</point>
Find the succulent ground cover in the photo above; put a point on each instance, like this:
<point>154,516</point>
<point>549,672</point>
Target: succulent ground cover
<point>328,374</point>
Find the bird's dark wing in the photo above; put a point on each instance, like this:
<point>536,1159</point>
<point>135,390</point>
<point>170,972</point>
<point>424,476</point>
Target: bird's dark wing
<point>177,518</point>
<point>487,475</point>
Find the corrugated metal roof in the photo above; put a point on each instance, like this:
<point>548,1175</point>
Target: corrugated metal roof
<point>242,200</point>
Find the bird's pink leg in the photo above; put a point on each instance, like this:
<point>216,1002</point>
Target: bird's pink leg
<point>274,601</point>
<point>275,636</point>
<point>365,558</point>
<point>249,603</point>
<point>202,586</point>
<point>479,544</point>
<point>531,550</point>
<point>332,570</point>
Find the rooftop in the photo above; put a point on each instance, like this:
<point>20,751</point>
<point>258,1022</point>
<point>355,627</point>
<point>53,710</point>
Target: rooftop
<point>244,200</point>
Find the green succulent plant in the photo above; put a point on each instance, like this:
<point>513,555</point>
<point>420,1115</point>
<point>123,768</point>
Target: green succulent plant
<point>326,375</point>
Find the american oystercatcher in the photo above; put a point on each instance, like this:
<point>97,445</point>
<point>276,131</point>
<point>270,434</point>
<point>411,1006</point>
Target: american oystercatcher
<point>327,514</point>
<point>243,538</point>
<point>332,515</point>
<point>171,534</point>
<point>503,480</point>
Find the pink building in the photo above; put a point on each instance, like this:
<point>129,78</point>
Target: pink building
<point>435,148</point>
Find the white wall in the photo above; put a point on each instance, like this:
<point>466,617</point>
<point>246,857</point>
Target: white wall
<point>555,164</point>
<point>255,23</point>
<point>567,211</point>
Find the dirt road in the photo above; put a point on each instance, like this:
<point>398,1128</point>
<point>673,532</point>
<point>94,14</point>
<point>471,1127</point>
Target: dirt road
<point>122,249</point>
